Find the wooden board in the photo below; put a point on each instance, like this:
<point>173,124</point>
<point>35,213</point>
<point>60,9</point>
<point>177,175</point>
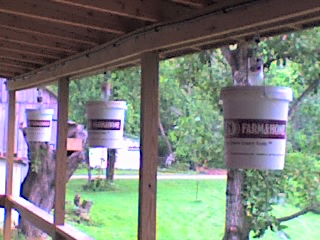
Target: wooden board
<point>149,147</point>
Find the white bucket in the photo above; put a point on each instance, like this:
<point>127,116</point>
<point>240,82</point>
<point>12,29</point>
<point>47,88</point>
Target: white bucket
<point>105,123</point>
<point>255,119</point>
<point>39,125</point>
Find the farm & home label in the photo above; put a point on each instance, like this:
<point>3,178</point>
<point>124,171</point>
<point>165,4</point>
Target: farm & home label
<point>247,128</point>
<point>105,124</point>
<point>255,137</point>
<point>39,123</point>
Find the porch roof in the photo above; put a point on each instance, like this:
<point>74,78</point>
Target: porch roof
<point>45,40</point>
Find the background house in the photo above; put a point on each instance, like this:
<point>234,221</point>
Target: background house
<point>127,158</point>
<point>25,99</point>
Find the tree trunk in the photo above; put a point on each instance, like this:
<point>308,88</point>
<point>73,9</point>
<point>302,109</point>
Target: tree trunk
<point>163,134</point>
<point>237,227</point>
<point>111,163</point>
<point>38,186</point>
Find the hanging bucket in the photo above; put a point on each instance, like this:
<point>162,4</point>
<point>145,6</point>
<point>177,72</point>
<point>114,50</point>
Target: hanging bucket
<point>255,119</point>
<point>39,125</point>
<point>105,123</point>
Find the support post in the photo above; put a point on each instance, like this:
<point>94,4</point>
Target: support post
<point>61,156</point>
<point>149,146</point>
<point>10,160</point>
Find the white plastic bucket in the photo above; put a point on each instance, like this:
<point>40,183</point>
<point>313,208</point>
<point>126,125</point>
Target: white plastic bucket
<point>255,119</point>
<point>105,123</point>
<point>39,125</point>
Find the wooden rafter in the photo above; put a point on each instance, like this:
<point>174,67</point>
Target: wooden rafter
<point>192,3</point>
<point>151,11</point>
<point>36,41</point>
<point>7,74</point>
<point>27,50</point>
<point>14,66</point>
<point>12,70</point>
<point>16,63</point>
<point>68,33</point>
<point>64,14</point>
<point>24,57</point>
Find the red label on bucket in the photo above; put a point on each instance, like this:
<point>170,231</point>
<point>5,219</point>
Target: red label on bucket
<point>39,123</point>
<point>253,128</point>
<point>105,124</point>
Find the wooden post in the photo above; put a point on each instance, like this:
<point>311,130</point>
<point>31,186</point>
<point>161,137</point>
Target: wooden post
<point>149,146</point>
<point>11,134</point>
<point>61,159</point>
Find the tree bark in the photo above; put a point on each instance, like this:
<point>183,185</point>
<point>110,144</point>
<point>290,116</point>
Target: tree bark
<point>163,134</point>
<point>236,227</point>
<point>38,186</point>
<point>111,163</point>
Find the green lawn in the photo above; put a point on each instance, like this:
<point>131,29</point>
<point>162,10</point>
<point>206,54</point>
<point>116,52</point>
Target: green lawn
<point>181,215</point>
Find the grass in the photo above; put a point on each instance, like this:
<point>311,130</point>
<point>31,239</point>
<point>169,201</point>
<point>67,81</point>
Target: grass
<point>181,213</point>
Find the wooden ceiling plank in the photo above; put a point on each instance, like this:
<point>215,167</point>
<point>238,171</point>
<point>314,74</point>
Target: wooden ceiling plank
<point>34,52</point>
<point>192,3</point>
<point>151,11</point>
<point>24,58</point>
<point>6,76</point>
<point>12,66</point>
<point>69,33</point>
<point>205,26</point>
<point>55,54</point>
<point>63,14</point>
<point>13,70</point>
<point>8,72</point>
<point>36,41</point>
<point>17,63</point>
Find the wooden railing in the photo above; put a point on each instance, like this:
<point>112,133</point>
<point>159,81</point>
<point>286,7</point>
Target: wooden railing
<point>42,219</point>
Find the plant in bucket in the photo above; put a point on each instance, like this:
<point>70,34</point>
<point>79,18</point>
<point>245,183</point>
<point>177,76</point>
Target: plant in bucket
<point>39,122</point>
<point>255,119</point>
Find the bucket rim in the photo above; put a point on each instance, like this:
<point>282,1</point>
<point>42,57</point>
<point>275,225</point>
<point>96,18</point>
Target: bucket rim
<point>116,104</point>
<point>43,110</point>
<point>273,92</point>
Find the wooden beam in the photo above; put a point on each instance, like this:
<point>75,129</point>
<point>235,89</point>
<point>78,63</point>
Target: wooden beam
<point>44,220</point>
<point>52,12</point>
<point>61,157</point>
<point>149,146</point>
<point>151,11</point>
<point>10,160</point>
<point>172,35</point>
